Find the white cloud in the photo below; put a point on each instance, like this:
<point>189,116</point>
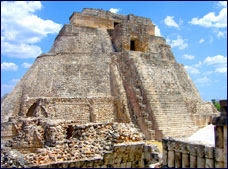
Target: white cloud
<point>218,59</point>
<point>9,66</point>
<point>169,21</point>
<point>222,3</point>
<point>203,80</point>
<point>179,42</point>
<point>198,64</point>
<point>26,65</point>
<point>221,34</point>
<point>207,72</point>
<point>157,31</point>
<point>219,62</point>
<point>15,80</point>
<point>221,70</point>
<point>20,50</point>
<point>201,40</point>
<point>7,86</point>
<point>186,56</point>
<point>20,27</point>
<point>114,10</point>
<point>192,70</point>
<point>211,20</point>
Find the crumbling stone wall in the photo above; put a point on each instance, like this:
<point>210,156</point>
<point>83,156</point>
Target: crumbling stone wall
<point>95,18</point>
<point>82,110</point>
<point>158,46</point>
<point>66,144</point>
<point>185,154</point>
<point>125,32</point>
<point>182,154</point>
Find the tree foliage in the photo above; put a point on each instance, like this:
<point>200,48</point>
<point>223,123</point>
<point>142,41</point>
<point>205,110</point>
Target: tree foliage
<point>216,104</point>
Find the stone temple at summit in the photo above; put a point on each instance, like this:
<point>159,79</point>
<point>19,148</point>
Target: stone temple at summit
<point>104,68</point>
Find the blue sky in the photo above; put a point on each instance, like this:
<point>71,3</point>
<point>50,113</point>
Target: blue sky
<point>196,31</point>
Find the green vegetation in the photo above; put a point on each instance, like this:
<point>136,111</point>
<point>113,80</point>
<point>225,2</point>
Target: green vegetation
<point>216,104</point>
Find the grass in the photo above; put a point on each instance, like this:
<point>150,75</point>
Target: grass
<point>158,143</point>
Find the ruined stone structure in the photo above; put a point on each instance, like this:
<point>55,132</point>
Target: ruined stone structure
<point>103,68</point>
<point>182,153</point>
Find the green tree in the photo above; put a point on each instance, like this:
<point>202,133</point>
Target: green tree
<point>216,104</point>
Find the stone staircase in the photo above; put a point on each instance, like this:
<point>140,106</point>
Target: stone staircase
<point>133,87</point>
<point>168,107</point>
<point>144,113</point>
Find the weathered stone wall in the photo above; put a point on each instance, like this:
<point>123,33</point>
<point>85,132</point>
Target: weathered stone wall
<point>185,154</point>
<point>73,39</point>
<point>96,18</point>
<point>126,32</point>
<point>91,21</point>
<point>125,155</point>
<point>61,76</point>
<point>7,131</point>
<point>82,110</point>
<point>181,154</point>
<point>159,48</point>
<point>121,103</point>
<point>64,144</point>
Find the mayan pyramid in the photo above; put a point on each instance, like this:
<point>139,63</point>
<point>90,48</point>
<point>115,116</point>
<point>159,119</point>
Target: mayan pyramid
<point>106,67</point>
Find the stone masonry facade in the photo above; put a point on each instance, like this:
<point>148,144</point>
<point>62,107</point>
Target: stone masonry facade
<point>103,68</point>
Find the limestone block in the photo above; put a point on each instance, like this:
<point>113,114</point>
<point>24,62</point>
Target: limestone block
<point>193,149</point>
<point>219,154</point>
<point>209,163</point>
<point>104,166</point>
<point>125,159</point>
<point>171,159</point>
<point>122,165</point>
<point>72,165</point>
<point>209,152</point>
<point>193,161</point>
<point>185,160</point>
<point>131,157</point>
<point>225,146</point>
<point>219,164</point>
<point>219,138</point>
<point>171,145</point>
<point>147,156</point>
<point>165,157</point>
<point>200,151</point>
<point>117,160</point>
<point>146,148</point>
<point>200,162</point>
<point>178,160</point>
<point>128,165</point>
<point>141,164</point>
<point>65,165</point>
<point>77,164</point>
<point>164,144</point>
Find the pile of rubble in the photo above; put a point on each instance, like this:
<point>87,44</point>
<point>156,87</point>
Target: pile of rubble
<point>67,142</point>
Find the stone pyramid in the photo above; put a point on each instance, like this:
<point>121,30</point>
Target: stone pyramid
<point>105,67</point>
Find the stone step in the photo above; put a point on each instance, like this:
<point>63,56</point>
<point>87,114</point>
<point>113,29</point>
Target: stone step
<point>145,114</point>
<point>148,123</point>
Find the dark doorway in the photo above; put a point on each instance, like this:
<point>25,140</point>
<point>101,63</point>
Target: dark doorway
<point>115,23</point>
<point>69,133</point>
<point>31,110</point>
<point>132,45</point>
